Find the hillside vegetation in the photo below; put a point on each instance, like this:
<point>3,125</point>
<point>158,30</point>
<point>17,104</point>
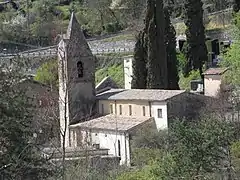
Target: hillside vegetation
<point>38,22</point>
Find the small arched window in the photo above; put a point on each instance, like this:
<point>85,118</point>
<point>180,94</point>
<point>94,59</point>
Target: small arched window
<point>80,69</point>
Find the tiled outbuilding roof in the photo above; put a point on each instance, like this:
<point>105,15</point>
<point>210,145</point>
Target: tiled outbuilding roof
<point>215,71</point>
<point>113,123</point>
<point>139,94</point>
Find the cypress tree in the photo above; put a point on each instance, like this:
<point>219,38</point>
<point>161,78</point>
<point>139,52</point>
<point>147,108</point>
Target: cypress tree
<point>157,63</point>
<point>158,37</point>
<point>195,33</point>
<point>139,64</point>
<point>149,17</point>
<point>153,80</point>
<point>161,62</point>
<point>139,80</point>
<point>170,43</point>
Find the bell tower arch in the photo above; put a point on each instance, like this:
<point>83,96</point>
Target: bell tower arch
<point>76,68</point>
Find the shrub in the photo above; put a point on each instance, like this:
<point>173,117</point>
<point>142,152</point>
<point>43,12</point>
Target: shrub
<point>113,27</point>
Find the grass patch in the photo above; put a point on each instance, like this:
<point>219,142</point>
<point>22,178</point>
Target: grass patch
<point>115,72</point>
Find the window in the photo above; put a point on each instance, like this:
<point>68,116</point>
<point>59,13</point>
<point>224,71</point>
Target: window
<point>40,102</point>
<point>80,69</point>
<point>144,111</point>
<point>159,111</point>
<point>119,148</point>
<point>111,109</point>
<point>120,109</point>
<point>130,110</point>
<point>102,108</point>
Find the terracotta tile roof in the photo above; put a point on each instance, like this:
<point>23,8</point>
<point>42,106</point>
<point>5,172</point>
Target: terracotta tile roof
<point>139,94</point>
<point>112,123</point>
<point>215,71</point>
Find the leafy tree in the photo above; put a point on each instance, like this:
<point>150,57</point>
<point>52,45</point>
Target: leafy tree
<point>197,149</point>
<point>20,158</point>
<point>231,59</point>
<point>200,147</point>
<point>48,73</point>
<point>195,32</point>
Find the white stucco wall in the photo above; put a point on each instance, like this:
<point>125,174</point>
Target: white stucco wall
<point>109,140</point>
<point>161,123</point>
<point>128,71</point>
<point>212,85</point>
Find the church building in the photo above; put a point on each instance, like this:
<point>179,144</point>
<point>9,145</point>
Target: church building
<point>111,117</point>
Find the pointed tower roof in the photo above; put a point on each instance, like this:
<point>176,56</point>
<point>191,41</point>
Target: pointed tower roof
<point>73,26</point>
<point>75,38</point>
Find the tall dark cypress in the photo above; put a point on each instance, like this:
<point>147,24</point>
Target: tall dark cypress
<point>139,64</point>
<point>157,62</point>
<point>195,33</point>
<point>170,43</point>
<point>161,74</point>
<point>161,68</point>
<point>148,18</point>
<point>153,79</point>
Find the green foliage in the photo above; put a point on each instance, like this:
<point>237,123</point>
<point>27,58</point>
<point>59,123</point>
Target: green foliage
<point>20,158</point>
<point>115,72</point>
<point>143,174</point>
<point>188,150</point>
<point>145,156</point>
<point>231,59</point>
<point>181,61</point>
<point>113,27</point>
<point>170,43</point>
<point>157,170</point>
<point>199,147</point>
<point>235,151</point>
<point>185,82</point>
<point>195,33</point>
<point>156,48</point>
<point>139,64</point>
<point>47,19</point>
<point>48,73</point>
<point>108,66</point>
<point>236,22</point>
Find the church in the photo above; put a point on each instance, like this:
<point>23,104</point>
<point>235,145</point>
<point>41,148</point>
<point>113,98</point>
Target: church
<point>109,118</point>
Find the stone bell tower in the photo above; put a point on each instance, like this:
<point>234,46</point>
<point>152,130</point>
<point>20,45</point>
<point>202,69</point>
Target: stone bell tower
<point>76,70</point>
